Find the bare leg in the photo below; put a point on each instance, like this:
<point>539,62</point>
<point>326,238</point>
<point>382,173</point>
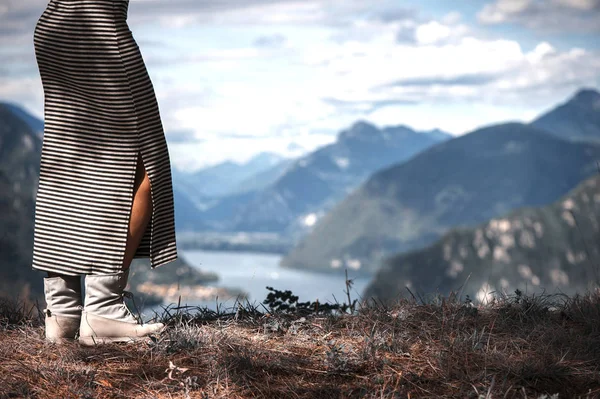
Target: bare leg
<point>141,212</point>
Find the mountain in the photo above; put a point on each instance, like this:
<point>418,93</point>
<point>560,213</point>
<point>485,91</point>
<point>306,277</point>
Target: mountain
<point>187,212</point>
<point>437,134</point>
<point>532,249</point>
<point>576,119</point>
<point>262,162</point>
<point>314,183</point>
<point>20,149</point>
<point>223,212</point>
<point>218,188</point>
<point>224,178</point>
<point>264,179</point>
<point>35,124</point>
<point>461,182</point>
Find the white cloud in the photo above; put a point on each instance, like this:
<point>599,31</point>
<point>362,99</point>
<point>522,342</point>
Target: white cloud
<point>191,156</point>
<point>264,12</point>
<point>432,32</point>
<point>452,18</point>
<point>25,91</point>
<point>451,115</point>
<point>501,10</point>
<point>579,4</point>
<point>466,83</point>
<point>545,15</point>
<point>435,32</point>
<point>260,74</point>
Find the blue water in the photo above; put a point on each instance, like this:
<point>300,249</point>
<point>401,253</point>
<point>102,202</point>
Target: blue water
<point>252,272</point>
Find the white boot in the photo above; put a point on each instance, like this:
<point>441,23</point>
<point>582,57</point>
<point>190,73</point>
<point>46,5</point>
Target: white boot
<point>105,317</point>
<point>63,307</point>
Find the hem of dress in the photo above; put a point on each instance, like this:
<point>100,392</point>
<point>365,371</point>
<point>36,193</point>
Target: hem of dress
<point>55,271</point>
<point>165,261</point>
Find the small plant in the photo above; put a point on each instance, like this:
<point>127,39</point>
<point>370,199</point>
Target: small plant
<point>518,296</point>
<point>287,302</point>
<point>469,308</point>
<point>468,301</point>
<point>351,304</point>
<point>188,383</point>
<point>337,358</point>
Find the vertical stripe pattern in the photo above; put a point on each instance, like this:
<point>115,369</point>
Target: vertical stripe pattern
<point>100,114</point>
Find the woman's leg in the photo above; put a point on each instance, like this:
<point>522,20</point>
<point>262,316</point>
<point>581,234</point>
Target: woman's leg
<point>141,212</point>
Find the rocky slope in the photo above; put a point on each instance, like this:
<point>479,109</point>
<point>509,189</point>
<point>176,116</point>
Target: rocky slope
<point>551,248</point>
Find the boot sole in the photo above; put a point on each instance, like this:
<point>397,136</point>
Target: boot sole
<point>93,341</point>
<point>60,340</point>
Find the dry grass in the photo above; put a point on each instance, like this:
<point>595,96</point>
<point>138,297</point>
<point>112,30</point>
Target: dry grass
<point>515,347</point>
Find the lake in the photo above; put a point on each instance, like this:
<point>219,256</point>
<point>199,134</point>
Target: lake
<point>253,272</point>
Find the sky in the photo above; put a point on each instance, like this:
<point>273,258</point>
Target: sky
<point>234,78</point>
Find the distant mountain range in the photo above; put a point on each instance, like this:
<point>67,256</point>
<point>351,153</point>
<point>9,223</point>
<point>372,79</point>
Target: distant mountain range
<point>552,249</point>
<point>229,177</point>
<point>201,196</point>
<point>460,182</point>
<point>313,184</point>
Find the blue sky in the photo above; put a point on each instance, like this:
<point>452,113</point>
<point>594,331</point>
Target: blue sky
<point>237,77</point>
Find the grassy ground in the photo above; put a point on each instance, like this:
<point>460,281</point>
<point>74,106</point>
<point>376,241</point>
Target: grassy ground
<point>515,347</point>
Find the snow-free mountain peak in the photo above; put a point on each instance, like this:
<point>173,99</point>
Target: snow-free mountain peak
<point>576,119</point>
<point>360,130</point>
<point>586,97</point>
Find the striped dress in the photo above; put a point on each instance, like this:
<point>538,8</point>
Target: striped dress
<point>100,114</point>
